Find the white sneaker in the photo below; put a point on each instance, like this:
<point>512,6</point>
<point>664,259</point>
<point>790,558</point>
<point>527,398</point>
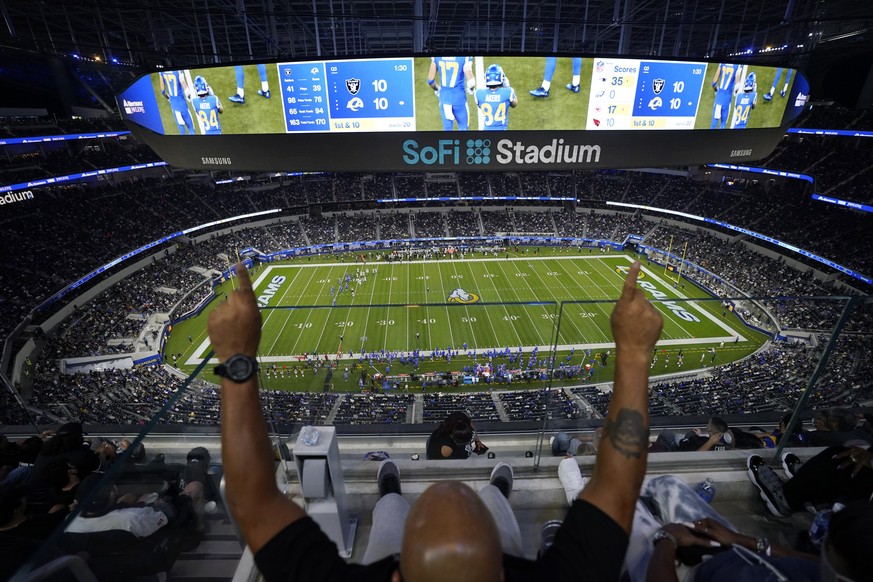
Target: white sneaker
<point>571,478</point>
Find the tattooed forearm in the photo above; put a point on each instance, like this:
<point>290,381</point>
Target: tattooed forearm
<point>627,433</point>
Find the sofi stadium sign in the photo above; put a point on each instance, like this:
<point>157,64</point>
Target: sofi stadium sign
<point>485,152</point>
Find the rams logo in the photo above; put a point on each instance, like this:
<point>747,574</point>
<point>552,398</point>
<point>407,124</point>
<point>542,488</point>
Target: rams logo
<point>623,272</point>
<point>353,85</point>
<point>461,296</point>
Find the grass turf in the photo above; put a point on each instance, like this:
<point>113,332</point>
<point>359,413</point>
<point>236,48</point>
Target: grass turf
<point>527,300</point>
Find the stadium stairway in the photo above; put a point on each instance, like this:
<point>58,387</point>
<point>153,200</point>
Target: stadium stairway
<point>215,559</point>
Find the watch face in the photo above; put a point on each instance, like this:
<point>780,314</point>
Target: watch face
<point>239,368</point>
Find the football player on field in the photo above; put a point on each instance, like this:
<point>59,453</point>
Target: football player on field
<point>494,101</point>
<point>207,106</point>
<point>454,74</point>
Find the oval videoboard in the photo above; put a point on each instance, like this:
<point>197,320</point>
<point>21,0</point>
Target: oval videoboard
<point>463,113</point>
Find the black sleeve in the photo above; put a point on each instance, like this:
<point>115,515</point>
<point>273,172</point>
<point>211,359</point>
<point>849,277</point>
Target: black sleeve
<point>588,546</point>
<point>303,552</point>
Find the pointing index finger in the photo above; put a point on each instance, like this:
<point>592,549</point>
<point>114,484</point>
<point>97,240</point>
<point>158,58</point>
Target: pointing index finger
<point>242,274</point>
<point>630,282</point>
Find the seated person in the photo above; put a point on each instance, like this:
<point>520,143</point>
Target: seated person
<point>841,474</point>
<point>455,438</point>
<point>62,479</point>
<point>718,437</point>
<point>565,444</point>
<point>102,509</point>
<point>838,426</point>
<point>21,536</point>
<point>692,528</point>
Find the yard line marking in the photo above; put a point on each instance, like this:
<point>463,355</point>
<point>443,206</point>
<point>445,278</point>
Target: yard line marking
<point>555,298</point>
<point>518,298</point>
<point>467,311</point>
<point>369,305</point>
<point>288,313</point>
<point>445,297</point>
<point>488,316</point>
<point>590,296</point>
<point>388,309</point>
<point>327,280</point>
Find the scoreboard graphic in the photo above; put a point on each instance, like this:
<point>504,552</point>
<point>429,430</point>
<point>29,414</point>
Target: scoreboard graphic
<point>372,95</point>
<point>394,95</point>
<point>633,94</point>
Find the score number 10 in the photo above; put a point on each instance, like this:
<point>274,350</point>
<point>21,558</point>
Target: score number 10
<point>380,86</point>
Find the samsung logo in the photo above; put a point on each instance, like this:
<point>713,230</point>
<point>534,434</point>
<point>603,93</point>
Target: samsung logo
<point>739,153</point>
<point>215,161</point>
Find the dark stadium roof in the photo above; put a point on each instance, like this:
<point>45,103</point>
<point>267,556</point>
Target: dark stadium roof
<point>189,32</point>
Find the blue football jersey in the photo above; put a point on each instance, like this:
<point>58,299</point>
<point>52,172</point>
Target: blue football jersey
<point>450,75</point>
<point>207,112</point>
<point>745,104</point>
<point>173,86</point>
<point>494,105</point>
<point>725,84</point>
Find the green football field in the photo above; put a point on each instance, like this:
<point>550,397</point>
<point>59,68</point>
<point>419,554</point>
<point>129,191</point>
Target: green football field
<point>527,300</point>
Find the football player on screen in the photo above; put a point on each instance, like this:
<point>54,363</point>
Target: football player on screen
<point>454,74</point>
<point>746,101</point>
<point>724,85</point>
<point>551,64</point>
<point>494,101</point>
<point>240,95</point>
<point>768,96</point>
<point>176,90</point>
<point>207,106</point>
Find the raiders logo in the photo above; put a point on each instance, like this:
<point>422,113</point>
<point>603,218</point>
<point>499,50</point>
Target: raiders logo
<point>461,296</point>
<point>657,85</point>
<point>353,85</point>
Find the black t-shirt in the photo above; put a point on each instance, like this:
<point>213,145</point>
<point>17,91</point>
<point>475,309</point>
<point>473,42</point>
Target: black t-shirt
<point>436,443</point>
<point>588,546</point>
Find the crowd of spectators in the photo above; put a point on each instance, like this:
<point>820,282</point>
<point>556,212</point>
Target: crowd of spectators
<point>536,405</point>
<point>479,406</point>
<point>375,409</point>
<point>409,186</point>
<point>320,230</point>
<point>394,225</point>
<point>463,223</point>
<point>354,226</point>
<point>755,274</point>
<point>441,188</point>
<point>497,221</point>
<point>535,223</point>
<point>429,224</point>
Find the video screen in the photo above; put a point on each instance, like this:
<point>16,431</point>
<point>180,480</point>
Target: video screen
<point>459,93</point>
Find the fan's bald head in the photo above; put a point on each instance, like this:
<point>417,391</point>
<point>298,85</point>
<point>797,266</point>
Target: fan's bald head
<point>450,535</point>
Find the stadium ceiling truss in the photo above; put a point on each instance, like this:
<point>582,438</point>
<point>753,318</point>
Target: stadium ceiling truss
<point>191,32</point>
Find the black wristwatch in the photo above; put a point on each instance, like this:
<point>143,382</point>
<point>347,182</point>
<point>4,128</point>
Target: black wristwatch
<point>238,368</point>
